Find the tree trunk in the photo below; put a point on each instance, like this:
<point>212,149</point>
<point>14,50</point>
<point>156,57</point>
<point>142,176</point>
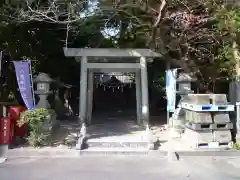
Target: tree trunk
<point>237,59</point>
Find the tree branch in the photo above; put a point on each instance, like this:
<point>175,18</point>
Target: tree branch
<point>161,7</point>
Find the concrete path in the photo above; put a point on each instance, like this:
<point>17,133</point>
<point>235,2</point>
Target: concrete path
<point>120,168</point>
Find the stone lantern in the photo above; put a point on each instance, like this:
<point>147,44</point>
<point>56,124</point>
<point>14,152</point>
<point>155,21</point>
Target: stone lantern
<point>43,82</point>
<point>184,84</point>
<point>183,89</point>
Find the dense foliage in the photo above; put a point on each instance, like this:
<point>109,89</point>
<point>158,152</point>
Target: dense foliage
<point>200,37</point>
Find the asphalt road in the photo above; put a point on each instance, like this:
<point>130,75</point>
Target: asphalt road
<point>121,168</point>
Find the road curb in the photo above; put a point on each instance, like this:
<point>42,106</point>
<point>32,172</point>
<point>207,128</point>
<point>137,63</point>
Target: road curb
<point>64,153</point>
<point>209,153</point>
<point>201,153</point>
<point>40,153</point>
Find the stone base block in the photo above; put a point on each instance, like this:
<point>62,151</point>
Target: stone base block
<point>205,99</point>
<point>198,117</point>
<point>94,143</point>
<point>221,117</point>
<point>178,118</point>
<point>197,137</point>
<point>219,99</point>
<point>222,136</point>
<point>197,99</point>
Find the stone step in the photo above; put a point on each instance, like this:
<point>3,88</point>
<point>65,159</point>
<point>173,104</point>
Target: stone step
<point>92,143</point>
<point>114,151</point>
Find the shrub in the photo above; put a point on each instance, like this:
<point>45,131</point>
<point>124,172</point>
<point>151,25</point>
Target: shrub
<point>36,119</point>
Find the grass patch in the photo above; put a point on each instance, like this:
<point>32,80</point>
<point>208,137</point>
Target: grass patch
<point>236,146</point>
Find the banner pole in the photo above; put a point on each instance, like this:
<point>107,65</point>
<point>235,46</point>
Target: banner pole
<point>30,70</point>
<point>1,58</point>
<point>168,113</point>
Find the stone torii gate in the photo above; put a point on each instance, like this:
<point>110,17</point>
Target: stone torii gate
<point>112,60</point>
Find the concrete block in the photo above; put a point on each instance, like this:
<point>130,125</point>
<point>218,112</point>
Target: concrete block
<point>222,126</point>
<point>221,117</point>
<point>198,117</point>
<point>219,99</point>
<point>222,136</point>
<point>205,99</point>
<point>209,127</point>
<point>95,143</point>
<point>199,127</point>
<point>198,99</point>
<point>3,153</point>
<point>178,118</point>
<point>197,137</point>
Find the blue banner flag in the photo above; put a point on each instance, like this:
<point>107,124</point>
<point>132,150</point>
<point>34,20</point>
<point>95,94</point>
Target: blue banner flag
<point>24,80</point>
<point>171,75</point>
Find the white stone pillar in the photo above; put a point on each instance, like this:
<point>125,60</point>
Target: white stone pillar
<point>90,97</point>
<point>83,90</point>
<point>144,89</point>
<point>138,96</point>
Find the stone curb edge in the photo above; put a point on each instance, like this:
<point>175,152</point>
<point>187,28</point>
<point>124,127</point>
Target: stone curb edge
<point>209,153</point>
<point>76,154</point>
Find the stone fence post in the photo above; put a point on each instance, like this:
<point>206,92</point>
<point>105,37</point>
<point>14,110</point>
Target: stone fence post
<point>238,117</point>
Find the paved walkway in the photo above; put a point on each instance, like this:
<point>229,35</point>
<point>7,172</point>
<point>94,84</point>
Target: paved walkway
<point>121,167</point>
<point>117,131</point>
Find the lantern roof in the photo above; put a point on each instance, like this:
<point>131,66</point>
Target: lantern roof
<point>43,77</point>
<point>185,77</point>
